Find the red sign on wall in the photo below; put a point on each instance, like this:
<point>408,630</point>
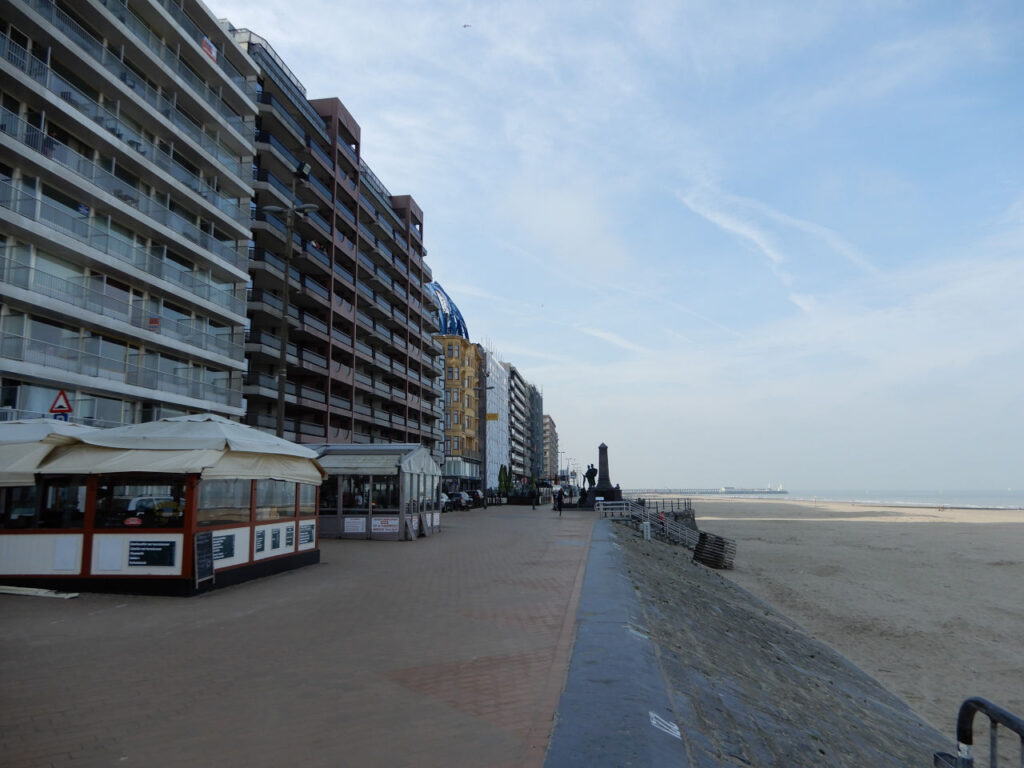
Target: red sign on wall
<point>61,403</point>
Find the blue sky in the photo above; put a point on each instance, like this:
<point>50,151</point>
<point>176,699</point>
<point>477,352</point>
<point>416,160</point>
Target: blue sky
<point>738,242</point>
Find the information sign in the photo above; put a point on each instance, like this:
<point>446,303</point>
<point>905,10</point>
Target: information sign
<point>307,533</point>
<point>224,546</point>
<point>149,553</point>
<point>261,540</point>
<point>289,537</point>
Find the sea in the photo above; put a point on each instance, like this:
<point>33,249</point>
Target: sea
<point>981,499</point>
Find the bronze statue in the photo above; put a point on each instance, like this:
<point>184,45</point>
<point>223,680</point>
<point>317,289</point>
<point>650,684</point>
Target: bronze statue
<point>589,475</point>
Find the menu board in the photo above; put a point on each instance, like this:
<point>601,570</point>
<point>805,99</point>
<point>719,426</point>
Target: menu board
<point>150,553</point>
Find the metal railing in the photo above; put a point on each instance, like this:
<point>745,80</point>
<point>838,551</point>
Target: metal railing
<point>965,734</point>
<point>662,525</point>
<point>71,94</point>
<point>150,260</point>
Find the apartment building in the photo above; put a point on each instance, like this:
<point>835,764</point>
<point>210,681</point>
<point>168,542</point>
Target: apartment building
<point>126,142</point>
<point>355,360</point>
<point>497,442</point>
<point>550,448</point>
<point>518,424</point>
<point>464,401</point>
<point>535,431</point>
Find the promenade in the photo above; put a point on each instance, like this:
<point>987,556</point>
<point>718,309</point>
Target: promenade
<point>447,651</point>
<point>454,650</point>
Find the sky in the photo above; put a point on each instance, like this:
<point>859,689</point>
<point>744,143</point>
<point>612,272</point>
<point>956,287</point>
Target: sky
<point>740,243</point>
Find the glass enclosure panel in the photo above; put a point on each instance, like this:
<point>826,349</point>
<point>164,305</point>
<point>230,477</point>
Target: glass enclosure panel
<point>18,507</point>
<point>328,496</point>
<point>275,499</point>
<point>355,493</point>
<point>224,501</point>
<point>307,500</point>
<point>385,493</point>
<point>63,504</point>
<point>140,503</point>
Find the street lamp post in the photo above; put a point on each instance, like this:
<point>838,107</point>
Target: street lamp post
<point>282,364</point>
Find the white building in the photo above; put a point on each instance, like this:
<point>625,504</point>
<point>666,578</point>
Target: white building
<point>498,446</point>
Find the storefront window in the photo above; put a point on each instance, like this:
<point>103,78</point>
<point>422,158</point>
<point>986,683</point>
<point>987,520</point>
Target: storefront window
<point>140,504</point>
<point>18,507</point>
<point>328,497</point>
<point>355,493</point>
<point>275,499</point>
<point>307,500</point>
<point>385,493</point>
<point>224,501</point>
<point>63,504</point>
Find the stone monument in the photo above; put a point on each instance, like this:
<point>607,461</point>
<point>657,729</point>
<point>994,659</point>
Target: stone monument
<point>604,488</point>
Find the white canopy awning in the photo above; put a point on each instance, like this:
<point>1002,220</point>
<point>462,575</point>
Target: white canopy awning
<point>26,443</point>
<point>90,460</point>
<point>378,459</point>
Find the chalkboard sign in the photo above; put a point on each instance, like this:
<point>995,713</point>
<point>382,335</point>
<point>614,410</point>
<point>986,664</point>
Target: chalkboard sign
<point>149,553</point>
<point>204,556</point>
<point>307,533</point>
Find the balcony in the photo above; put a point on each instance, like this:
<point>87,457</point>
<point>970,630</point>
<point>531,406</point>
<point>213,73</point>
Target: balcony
<point>88,362</point>
<point>72,224</point>
<point>70,94</point>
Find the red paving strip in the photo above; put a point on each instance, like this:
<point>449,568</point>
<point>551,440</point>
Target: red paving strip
<point>448,651</point>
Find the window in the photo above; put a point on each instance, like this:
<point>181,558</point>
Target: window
<point>275,499</point>
<point>63,504</point>
<point>224,501</point>
<point>451,350</point>
<point>451,373</point>
<point>18,507</point>
<point>139,503</point>
<point>355,493</point>
<point>307,499</point>
<point>455,443</point>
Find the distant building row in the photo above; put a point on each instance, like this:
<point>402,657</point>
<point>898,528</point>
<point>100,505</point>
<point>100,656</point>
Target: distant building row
<point>493,417</point>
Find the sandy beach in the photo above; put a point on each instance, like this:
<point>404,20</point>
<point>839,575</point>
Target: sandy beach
<point>926,600</point>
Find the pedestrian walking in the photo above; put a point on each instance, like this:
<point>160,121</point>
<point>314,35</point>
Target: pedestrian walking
<point>558,500</point>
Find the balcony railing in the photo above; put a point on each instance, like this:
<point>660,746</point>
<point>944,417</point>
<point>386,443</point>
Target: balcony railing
<point>92,173</point>
<point>78,227</point>
<point>141,30</point>
<point>62,88</point>
<point>178,14</point>
<point>83,361</point>
<point>78,293</point>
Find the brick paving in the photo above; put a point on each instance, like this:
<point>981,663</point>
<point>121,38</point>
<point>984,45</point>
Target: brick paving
<point>448,651</point>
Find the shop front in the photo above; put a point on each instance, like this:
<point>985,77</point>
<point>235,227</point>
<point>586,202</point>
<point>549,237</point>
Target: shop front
<point>175,506</point>
<point>384,492</point>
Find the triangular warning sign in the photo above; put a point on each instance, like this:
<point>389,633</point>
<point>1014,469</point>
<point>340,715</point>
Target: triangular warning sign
<point>60,403</point>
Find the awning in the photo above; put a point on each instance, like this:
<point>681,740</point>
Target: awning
<point>360,464</point>
<point>261,466</point>
<point>93,460</point>
<point>20,461</point>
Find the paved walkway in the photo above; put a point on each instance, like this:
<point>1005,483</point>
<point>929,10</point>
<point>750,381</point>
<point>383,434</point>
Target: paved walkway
<point>448,651</point>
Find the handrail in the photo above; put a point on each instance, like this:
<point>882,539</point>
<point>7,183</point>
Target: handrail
<point>965,733</point>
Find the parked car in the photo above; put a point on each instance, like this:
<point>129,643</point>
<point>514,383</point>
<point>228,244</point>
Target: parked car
<point>461,500</point>
<point>445,503</point>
